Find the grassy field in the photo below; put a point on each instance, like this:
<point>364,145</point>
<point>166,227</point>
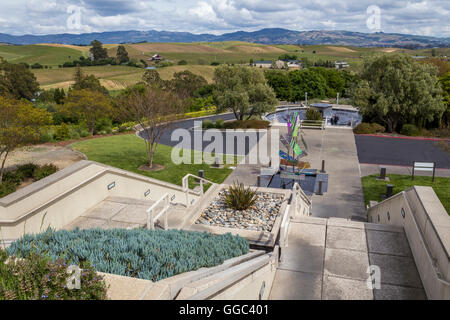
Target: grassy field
<point>199,57</point>
<point>45,55</point>
<point>128,152</point>
<point>372,188</point>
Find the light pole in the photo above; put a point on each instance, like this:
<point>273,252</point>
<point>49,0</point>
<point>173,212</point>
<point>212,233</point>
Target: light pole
<point>337,98</point>
<point>306,98</point>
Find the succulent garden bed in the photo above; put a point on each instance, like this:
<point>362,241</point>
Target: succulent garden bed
<point>261,216</point>
<point>146,254</point>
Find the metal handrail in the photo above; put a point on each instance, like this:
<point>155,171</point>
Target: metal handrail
<point>185,182</point>
<point>151,218</point>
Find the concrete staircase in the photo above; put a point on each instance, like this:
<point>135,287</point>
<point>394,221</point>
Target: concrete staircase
<point>128,213</point>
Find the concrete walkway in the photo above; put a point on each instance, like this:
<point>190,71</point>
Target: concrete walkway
<point>329,259</point>
<point>126,213</point>
<point>344,197</point>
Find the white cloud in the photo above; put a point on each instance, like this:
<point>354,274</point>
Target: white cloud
<point>425,17</point>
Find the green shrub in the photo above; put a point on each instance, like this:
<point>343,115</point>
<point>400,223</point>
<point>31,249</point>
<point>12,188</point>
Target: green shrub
<point>313,114</point>
<point>240,198</point>
<point>26,170</point>
<point>182,63</point>
<point>103,125</point>
<point>207,124</point>
<point>247,124</point>
<point>219,124</point>
<point>7,187</point>
<point>141,253</point>
<point>62,132</point>
<point>44,171</point>
<point>363,128</point>
<point>38,278</point>
<point>377,128</point>
<point>409,130</point>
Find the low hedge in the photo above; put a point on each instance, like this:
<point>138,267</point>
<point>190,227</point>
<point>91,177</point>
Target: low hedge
<point>368,128</point>
<point>141,253</point>
<point>38,278</point>
<point>236,124</point>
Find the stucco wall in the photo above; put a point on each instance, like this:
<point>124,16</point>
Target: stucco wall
<point>427,228</point>
<point>60,198</point>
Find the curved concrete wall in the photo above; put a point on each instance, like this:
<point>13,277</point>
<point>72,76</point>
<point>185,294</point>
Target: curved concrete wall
<point>62,197</point>
<point>427,228</point>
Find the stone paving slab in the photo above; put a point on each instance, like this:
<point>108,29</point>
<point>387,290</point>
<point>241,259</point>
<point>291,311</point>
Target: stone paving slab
<point>292,285</point>
<point>389,292</point>
<point>302,258</point>
<point>396,270</point>
<point>392,243</point>
<point>335,288</point>
<point>346,238</point>
<point>105,210</point>
<point>346,264</point>
<point>307,234</point>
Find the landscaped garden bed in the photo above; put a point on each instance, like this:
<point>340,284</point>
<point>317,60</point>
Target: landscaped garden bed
<point>260,216</point>
<point>146,254</point>
<point>236,124</point>
<point>24,175</point>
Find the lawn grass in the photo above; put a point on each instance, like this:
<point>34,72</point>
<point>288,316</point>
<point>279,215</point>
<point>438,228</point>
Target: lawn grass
<point>372,188</point>
<point>128,152</point>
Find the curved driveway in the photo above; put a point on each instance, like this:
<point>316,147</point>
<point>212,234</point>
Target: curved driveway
<point>238,149</point>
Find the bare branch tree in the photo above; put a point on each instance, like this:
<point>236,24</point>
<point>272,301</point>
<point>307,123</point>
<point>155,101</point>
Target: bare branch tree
<point>155,111</point>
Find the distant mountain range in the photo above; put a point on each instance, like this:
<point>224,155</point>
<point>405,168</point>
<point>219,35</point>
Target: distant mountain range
<point>264,36</point>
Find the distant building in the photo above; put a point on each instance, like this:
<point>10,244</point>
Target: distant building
<point>263,64</point>
<point>341,64</point>
<point>294,64</point>
<point>156,57</point>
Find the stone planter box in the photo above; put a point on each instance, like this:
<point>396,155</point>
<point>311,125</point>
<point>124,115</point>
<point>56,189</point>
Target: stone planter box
<point>262,238</point>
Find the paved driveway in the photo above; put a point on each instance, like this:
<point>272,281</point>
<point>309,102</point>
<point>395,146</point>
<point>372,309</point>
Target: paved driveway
<point>239,148</point>
<point>397,151</point>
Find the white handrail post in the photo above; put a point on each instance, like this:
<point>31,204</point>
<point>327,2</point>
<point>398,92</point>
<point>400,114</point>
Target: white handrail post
<point>201,186</point>
<point>166,223</point>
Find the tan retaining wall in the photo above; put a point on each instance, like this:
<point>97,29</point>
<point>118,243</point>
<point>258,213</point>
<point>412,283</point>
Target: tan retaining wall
<point>59,199</point>
<point>427,228</point>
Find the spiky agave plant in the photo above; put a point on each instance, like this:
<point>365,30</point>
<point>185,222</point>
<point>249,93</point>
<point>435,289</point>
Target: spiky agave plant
<point>240,198</point>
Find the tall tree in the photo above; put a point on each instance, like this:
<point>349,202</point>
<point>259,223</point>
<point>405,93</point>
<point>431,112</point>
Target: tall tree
<point>20,124</point>
<point>185,83</point>
<point>244,91</point>
<point>445,83</point>
<point>17,81</point>
<point>87,105</point>
<point>97,51</point>
<point>91,82</point>
<point>154,110</point>
<point>122,54</point>
<point>152,79</point>
<point>396,89</point>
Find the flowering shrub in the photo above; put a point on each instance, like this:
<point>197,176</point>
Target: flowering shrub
<point>36,277</point>
<point>141,253</point>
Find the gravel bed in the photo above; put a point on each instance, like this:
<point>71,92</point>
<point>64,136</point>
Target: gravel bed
<point>259,217</point>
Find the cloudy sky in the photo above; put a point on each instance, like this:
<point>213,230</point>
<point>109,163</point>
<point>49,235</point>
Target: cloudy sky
<point>422,17</point>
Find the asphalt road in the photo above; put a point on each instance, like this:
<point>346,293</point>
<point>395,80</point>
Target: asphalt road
<point>396,151</point>
<point>242,143</point>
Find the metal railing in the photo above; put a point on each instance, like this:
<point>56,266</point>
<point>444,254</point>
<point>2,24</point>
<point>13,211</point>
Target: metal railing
<point>185,182</point>
<point>151,217</point>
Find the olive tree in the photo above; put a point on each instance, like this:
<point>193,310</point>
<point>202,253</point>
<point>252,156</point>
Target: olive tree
<point>396,89</point>
<point>244,91</point>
